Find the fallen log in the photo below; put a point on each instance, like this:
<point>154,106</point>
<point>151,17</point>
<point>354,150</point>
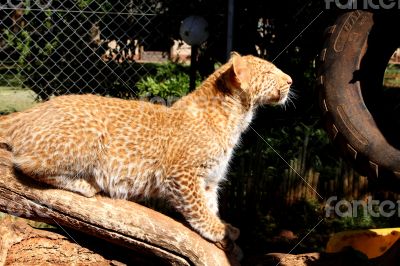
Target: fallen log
<point>120,222</point>
<point>21,244</point>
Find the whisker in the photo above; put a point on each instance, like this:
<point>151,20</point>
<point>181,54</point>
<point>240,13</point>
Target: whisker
<point>291,97</point>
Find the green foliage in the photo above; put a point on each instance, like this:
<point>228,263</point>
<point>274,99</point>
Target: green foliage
<point>83,3</point>
<point>170,80</point>
<point>11,78</point>
<point>293,141</point>
<point>53,55</point>
<point>21,42</point>
<point>23,46</point>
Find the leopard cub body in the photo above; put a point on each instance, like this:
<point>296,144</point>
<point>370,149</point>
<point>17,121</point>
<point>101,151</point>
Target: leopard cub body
<point>135,149</point>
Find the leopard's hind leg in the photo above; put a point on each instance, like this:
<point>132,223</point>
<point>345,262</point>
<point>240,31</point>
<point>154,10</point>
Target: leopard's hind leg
<point>85,186</point>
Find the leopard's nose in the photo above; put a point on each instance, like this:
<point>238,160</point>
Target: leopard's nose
<point>289,81</point>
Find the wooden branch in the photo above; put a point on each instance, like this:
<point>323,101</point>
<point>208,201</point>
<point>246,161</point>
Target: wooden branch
<point>118,221</point>
<point>23,245</point>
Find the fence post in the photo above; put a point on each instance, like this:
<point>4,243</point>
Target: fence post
<point>229,37</point>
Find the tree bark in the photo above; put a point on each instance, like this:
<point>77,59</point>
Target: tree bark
<point>23,245</point>
<point>120,222</point>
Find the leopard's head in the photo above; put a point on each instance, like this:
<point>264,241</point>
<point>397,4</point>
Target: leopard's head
<point>261,81</point>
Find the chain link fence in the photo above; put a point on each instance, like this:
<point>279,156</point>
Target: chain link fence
<point>92,46</point>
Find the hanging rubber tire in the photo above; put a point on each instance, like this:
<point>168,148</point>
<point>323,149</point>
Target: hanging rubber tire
<point>351,69</point>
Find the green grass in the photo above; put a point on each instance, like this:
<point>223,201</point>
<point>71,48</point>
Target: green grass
<point>15,99</point>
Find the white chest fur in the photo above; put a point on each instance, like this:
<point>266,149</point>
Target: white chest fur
<point>218,171</point>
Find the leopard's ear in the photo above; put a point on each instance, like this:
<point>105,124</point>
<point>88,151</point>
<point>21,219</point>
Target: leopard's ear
<point>240,74</point>
<point>233,54</point>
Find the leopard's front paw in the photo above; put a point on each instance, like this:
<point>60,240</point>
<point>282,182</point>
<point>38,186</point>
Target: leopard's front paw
<point>232,232</point>
<point>230,247</point>
<point>226,244</point>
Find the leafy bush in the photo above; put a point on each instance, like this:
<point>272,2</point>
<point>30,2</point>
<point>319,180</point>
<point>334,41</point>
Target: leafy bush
<point>170,80</point>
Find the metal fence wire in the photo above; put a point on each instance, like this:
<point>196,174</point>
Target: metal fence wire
<point>91,46</point>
